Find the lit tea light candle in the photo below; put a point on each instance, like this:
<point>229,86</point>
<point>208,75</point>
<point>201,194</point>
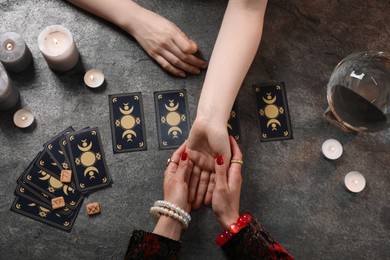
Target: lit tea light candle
<point>355,181</point>
<point>58,48</point>
<point>14,53</point>
<point>94,78</point>
<point>9,94</point>
<point>23,118</point>
<point>332,149</point>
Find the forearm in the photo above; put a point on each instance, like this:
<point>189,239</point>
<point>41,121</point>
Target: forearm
<point>118,12</point>
<point>234,50</point>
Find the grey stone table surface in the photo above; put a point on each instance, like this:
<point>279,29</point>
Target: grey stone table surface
<point>295,193</point>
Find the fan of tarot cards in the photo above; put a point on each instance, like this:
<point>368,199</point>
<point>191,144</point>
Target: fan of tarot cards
<point>52,188</point>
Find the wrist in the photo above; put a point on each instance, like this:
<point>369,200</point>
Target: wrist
<point>130,23</point>
<point>168,227</point>
<point>241,222</point>
<point>227,221</point>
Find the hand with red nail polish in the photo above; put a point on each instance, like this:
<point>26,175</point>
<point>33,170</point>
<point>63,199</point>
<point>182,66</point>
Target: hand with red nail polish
<point>226,195</point>
<point>177,177</point>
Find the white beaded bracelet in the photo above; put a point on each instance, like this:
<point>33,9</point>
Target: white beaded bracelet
<point>171,206</point>
<point>158,211</point>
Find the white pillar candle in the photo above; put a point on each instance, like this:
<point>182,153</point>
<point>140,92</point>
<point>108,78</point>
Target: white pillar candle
<point>14,53</point>
<point>93,78</point>
<point>58,48</point>
<point>355,181</point>
<point>9,94</point>
<point>23,118</point>
<point>332,149</point>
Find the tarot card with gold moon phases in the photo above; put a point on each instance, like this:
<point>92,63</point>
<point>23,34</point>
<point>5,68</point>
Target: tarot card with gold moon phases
<point>31,193</point>
<point>29,208</point>
<point>272,112</point>
<point>51,186</point>
<point>87,160</point>
<point>234,124</point>
<point>172,118</point>
<point>127,122</point>
<point>26,192</point>
<point>46,163</point>
<point>55,151</point>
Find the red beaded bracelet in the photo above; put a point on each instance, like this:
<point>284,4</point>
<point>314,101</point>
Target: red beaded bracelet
<point>226,235</point>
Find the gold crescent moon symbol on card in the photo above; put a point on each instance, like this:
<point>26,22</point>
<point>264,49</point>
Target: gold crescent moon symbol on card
<point>269,101</point>
<point>230,126</point>
<point>273,121</point>
<point>90,169</point>
<point>171,109</point>
<point>126,112</point>
<point>129,132</point>
<point>174,128</point>
<point>84,149</point>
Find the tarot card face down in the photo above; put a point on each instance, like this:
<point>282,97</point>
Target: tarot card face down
<point>272,110</point>
<point>234,124</point>
<point>127,122</point>
<point>32,210</point>
<point>87,160</point>
<point>172,118</point>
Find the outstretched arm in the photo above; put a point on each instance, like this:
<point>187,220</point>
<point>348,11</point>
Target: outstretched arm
<point>160,38</point>
<point>234,50</point>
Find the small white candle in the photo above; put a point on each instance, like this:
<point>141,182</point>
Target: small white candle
<point>58,48</point>
<point>23,118</point>
<point>93,78</point>
<point>332,149</point>
<point>355,181</point>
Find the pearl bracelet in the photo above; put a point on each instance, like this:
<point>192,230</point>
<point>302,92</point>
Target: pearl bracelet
<point>158,211</point>
<point>171,206</point>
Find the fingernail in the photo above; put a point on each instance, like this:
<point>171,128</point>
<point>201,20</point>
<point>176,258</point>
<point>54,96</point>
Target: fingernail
<point>182,74</point>
<point>184,156</point>
<point>219,160</point>
<point>204,65</point>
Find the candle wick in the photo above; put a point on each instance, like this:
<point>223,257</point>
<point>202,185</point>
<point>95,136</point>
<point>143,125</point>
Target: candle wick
<point>56,42</point>
<point>355,181</point>
<point>9,46</point>
<point>92,77</point>
<point>24,118</point>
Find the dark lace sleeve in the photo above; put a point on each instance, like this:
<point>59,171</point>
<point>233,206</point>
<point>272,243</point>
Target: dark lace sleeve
<point>254,242</point>
<point>146,245</point>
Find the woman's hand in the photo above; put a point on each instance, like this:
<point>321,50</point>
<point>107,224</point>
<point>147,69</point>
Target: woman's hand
<point>206,140</point>
<point>226,194</point>
<point>176,179</point>
<point>165,43</point>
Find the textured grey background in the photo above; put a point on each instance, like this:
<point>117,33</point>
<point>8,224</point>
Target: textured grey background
<point>296,194</point>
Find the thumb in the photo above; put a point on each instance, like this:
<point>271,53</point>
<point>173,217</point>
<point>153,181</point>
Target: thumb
<point>220,171</point>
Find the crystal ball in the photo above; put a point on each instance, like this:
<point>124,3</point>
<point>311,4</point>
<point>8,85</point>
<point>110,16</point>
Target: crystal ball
<point>358,91</point>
